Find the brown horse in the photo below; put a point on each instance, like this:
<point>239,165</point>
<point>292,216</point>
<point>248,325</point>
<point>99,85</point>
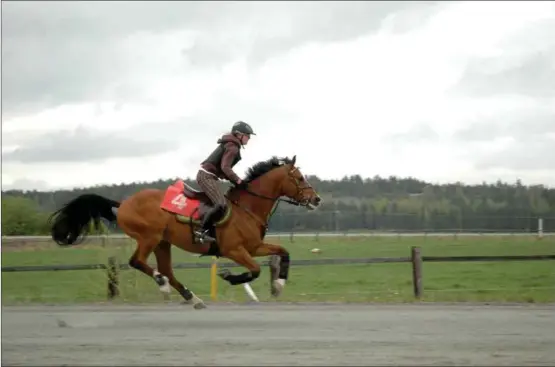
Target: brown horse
<point>157,218</point>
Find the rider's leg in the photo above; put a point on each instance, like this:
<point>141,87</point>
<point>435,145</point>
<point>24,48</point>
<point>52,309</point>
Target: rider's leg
<point>209,184</point>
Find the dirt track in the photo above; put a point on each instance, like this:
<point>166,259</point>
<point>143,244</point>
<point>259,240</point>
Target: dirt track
<point>270,334</point>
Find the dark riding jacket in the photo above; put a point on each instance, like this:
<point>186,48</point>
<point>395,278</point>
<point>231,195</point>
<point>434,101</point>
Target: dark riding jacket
<point>221,161</point>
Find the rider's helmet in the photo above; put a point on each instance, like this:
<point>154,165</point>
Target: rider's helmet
<point>242,127</point>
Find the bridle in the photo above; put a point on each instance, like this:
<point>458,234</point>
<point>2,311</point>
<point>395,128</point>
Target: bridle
<point>300,190</point>
<point>298,202</point>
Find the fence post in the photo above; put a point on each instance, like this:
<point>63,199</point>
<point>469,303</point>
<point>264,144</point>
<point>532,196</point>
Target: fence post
<point>214,279</point>
<point>112,270</point>
<point>416,271</point>
<point>540,228</point>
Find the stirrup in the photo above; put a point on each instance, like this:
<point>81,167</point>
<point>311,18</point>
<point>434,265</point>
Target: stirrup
<point>202,234</point>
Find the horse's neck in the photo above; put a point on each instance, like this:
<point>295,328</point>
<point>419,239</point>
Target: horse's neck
<point>260,206</point>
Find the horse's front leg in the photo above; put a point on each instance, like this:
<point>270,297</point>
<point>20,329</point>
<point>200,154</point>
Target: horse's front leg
<point>279,265</point>
<point>241,257</point>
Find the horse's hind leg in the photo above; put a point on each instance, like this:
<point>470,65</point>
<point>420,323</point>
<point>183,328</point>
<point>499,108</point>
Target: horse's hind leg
<point>145,246</point>
<point>142,220</point>
<point>164,261</point>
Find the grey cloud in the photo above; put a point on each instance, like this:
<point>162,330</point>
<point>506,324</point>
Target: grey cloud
<point>417,134</point>
<point>534,77</point>
<point>307,22</point>
<point>517,124</point>
<point>105,20</point>
<point>478,132</point>
<point>531,147</point>
<point>524,155</point>
<point>323,22</point>
<point>527,66</point>
<point>185,133</point>
<point>210,123</point>
<point>59,52</point>
<point>87,145</point>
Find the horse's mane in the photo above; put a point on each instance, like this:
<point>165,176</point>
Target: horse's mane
<point>262,167</point>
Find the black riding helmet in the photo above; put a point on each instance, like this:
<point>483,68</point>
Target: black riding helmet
<point>242,127</point>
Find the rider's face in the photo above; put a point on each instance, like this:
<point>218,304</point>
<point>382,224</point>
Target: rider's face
<point>245,138</point>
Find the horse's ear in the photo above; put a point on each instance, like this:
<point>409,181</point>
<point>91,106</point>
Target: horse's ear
<point>294,160</point>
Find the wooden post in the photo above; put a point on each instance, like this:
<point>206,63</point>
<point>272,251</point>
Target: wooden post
<point>214,279</point>
<point>112,270</point>
<point>416,271</point>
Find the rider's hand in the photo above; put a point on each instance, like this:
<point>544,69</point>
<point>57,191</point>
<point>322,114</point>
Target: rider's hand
<point>240,184</point>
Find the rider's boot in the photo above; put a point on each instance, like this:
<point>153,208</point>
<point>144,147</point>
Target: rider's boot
<point>206,224</point>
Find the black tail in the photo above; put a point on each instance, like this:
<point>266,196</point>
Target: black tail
<point>69,225</point>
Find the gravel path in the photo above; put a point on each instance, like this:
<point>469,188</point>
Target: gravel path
<point>279,334</point>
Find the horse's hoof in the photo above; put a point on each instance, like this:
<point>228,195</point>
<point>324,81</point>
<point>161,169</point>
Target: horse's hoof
<point>224,273</point>
<point>277,287</point>
<point>199,306</point>
<point>275,292</point>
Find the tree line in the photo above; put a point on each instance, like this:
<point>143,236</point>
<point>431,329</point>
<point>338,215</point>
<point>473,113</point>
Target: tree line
<point>352,203</point>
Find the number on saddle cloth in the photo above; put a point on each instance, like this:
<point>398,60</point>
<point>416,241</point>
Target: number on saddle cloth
<point>180,200</point>
<point>194,203</point>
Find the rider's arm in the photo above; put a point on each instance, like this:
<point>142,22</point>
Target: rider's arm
<point>230,151</point>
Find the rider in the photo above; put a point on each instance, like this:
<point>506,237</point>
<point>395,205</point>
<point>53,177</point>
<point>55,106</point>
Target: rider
<point>219,165</point>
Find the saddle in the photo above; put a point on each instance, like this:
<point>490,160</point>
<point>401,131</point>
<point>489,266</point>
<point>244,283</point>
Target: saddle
<point>194,194</point>
<point>205,204</point>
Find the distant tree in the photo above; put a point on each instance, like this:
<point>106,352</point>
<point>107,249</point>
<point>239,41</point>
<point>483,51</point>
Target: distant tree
<point>352,202</point>
<point>22,216</point>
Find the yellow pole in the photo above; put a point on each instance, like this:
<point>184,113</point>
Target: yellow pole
<point>214,278</point>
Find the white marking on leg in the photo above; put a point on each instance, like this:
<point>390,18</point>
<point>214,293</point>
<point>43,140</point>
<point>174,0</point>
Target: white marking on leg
<point>279,284</point>
<point>164,288</point>
<point>250,292</point>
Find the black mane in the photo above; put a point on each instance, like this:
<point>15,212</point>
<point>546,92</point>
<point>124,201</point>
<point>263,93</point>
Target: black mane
<point>260,168</point>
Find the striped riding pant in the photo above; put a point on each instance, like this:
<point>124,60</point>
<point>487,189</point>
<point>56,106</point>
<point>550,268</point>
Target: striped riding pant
<point>209,184</point>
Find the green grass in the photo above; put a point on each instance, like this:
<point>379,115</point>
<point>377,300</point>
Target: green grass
<point>516,281</point>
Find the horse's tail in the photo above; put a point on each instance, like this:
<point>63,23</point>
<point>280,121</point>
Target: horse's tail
<point>69,225</point>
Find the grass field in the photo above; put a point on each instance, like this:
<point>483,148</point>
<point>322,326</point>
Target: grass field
<point>515,281</point>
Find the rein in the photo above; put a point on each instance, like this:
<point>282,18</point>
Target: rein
<point>277,199</point>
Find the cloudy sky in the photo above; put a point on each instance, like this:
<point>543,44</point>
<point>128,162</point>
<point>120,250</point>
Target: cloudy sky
<point>109,92</point>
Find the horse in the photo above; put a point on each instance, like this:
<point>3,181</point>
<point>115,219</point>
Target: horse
<point>157,219</point>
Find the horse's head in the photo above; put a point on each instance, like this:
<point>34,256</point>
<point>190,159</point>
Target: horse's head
<point>279,177</point>
<point>295,186</point>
